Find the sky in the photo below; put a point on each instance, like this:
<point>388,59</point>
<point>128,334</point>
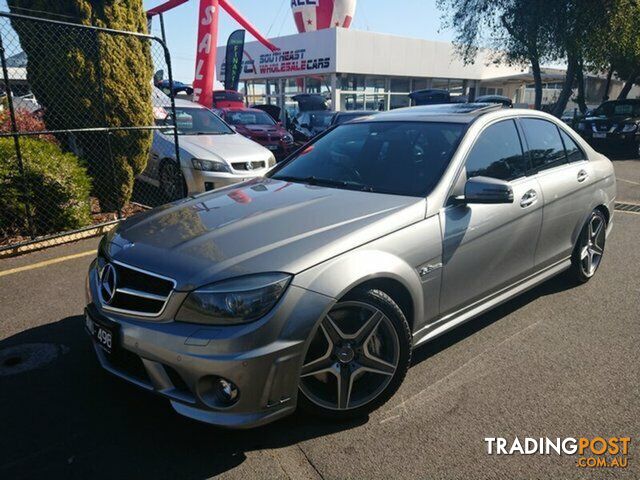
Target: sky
<point>273,18</point>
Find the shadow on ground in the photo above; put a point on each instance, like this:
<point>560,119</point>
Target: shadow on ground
<point>70,419</point>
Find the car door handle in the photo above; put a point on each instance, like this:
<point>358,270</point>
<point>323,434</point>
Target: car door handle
<point>582,175</point>
<point>529,199</point>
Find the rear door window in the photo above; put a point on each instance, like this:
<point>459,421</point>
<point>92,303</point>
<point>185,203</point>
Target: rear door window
<point>497,153</point>
<point>545,146</point>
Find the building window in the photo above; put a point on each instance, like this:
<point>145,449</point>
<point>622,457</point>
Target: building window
<point>402,85</point>
<point>399,101</point>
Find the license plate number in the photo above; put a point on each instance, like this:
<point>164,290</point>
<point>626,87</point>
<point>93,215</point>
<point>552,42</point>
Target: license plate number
<point>599,135</point>
<point>102,335</point>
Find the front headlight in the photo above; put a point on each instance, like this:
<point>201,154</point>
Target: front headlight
<point>209,165</point>
<point>629,128</point>
<point>272,161</point>
<point>236,301</point>
<point>288,139</point>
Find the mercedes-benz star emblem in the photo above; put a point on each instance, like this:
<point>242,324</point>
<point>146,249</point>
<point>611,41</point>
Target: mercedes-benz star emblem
<point>249,165</point>
<point>108,280</point>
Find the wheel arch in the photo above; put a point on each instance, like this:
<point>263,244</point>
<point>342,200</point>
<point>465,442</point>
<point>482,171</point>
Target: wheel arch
<point>373,269</point>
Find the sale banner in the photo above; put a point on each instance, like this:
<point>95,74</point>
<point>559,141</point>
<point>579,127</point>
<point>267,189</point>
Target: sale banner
<point>206,53</point>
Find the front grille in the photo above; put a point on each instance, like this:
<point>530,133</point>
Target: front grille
<point>136,292</point>
<point>243,165</point>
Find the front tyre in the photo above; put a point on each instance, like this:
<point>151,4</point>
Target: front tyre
<point>358,357</point>
<point>589,249</point>
<point>172,184</point>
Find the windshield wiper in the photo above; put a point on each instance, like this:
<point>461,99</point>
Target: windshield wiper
<point>326,182</point>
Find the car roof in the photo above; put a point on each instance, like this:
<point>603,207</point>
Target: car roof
<point>243,109</point>
<point>449,112</point>
<point>357,112</point>
<point>181,102</point>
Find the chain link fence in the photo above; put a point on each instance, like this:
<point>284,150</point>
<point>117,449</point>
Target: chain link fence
<point>78,114</point>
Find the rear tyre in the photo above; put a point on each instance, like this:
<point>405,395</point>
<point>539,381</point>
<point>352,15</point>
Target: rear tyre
<point>589,249</point>
<point>172,184</point>
<point>358,357</point>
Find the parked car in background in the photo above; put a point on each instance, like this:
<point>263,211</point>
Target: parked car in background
<point>309,124</point>
<point>499,99</point>
<point>260,127</point>
<point>310,286</point>
<point>178,87</point>
<point>227,99</point>
<point>613,124</point>
<point>212,154</point>
<point>342,117</point>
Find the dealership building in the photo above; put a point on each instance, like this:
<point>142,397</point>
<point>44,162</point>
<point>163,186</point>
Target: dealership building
<point>359,70</point>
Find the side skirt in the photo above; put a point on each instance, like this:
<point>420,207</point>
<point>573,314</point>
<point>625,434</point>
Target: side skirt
<point>454,319</point>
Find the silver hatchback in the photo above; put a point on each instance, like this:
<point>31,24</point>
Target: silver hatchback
<point>311,286</point>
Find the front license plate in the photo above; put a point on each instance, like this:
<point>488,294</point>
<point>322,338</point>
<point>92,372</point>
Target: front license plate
<point>272,147</point>
<point>599,135</point>
<point>103,335</point>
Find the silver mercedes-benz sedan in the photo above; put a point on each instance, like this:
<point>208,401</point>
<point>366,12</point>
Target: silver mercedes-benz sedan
<point>310,286</point>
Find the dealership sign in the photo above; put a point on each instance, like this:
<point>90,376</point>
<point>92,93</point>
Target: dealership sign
<point>299,55</point>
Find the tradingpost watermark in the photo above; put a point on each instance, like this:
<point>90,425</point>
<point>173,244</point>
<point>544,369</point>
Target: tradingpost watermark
<point>589,452</point>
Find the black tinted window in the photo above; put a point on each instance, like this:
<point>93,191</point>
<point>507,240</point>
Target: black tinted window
<point>574,154</point>
<point>497,153</point>
<point>545,146</point>
<point>403,158</point>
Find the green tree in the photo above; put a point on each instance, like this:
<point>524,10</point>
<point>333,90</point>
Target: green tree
<point>616,47</point>
<point>516,29</point>
<point>83,79</point>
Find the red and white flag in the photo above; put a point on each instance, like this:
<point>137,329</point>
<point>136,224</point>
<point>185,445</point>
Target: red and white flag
<point>313,15</point>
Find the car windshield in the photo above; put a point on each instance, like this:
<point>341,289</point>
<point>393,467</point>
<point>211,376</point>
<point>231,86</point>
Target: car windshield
<point>609,109</point>
<point>197,121</point>
<point>401,158</point>
<point>320,119</point>
<point>249,118</point>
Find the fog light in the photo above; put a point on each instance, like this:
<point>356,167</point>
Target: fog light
<point>217,392</point>
<point>226,391</point>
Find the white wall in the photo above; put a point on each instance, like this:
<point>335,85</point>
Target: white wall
<point>354,51</point>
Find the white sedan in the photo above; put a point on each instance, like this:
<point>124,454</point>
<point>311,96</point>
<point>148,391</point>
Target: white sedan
<point>212,154</point>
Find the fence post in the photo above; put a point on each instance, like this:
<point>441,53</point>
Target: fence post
<point>26,190</point>
<point>167,59</point>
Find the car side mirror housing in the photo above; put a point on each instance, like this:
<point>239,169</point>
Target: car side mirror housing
<point>487,190</point>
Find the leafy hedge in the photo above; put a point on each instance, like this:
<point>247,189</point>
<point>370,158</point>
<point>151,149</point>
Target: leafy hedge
<point>58,187</point>
<point>86,79</point>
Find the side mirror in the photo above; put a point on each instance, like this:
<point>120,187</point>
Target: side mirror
<point>487,190</point>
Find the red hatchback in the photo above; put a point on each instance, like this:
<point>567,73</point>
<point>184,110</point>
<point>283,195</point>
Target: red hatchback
<point>260,127</point>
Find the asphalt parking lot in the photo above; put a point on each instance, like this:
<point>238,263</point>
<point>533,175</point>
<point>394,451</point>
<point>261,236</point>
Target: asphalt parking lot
<point>555,362</point>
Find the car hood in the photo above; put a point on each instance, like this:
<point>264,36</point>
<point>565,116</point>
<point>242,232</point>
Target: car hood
<point>612,119</point>
<point>231,148</point>
<point>263,225</point>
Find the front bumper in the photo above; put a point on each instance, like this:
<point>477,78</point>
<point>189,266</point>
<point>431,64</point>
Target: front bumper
<point>612,139</point>
<point>178,360</point>
<point>199,181</point>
